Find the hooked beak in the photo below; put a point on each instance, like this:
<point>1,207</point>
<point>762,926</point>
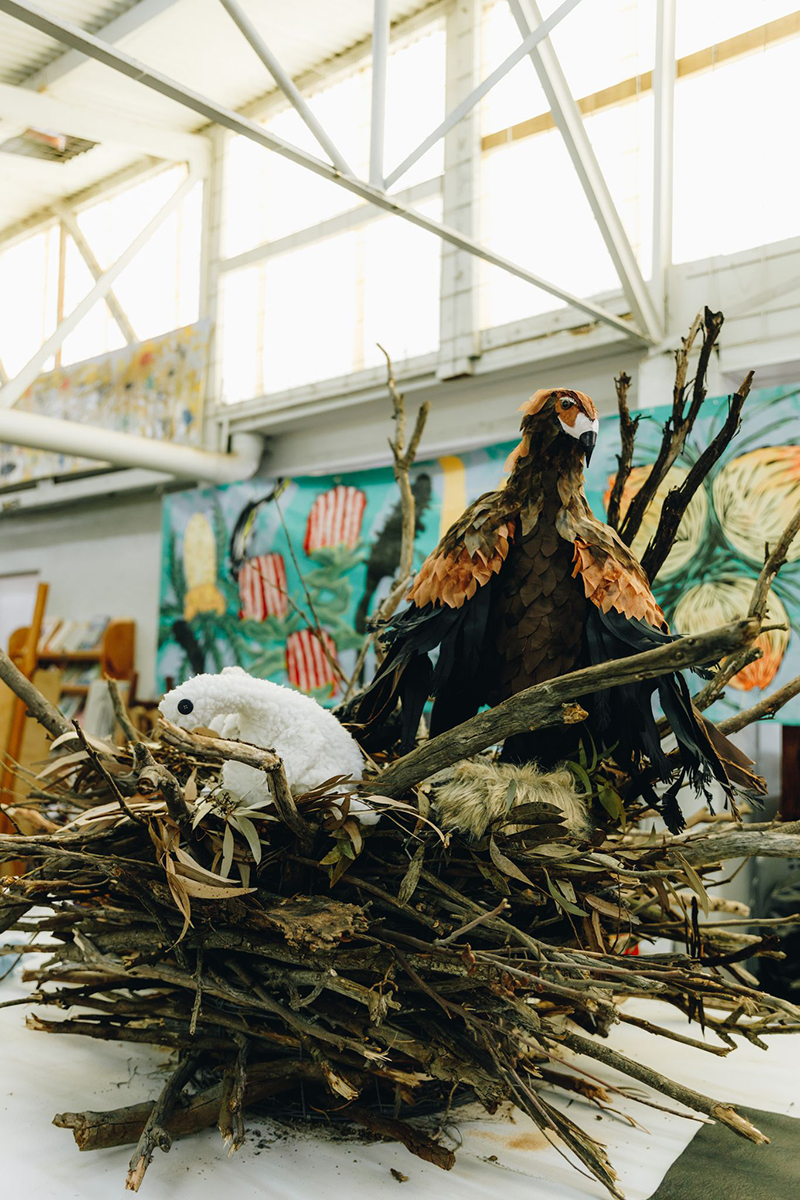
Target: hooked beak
<point>588,441</point>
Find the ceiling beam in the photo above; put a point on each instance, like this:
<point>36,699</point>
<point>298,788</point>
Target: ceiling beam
<point>284,82</point>
<point>568,118</point>
<point>16,387</point>
<point>76,37</point>
<point>70,223</point>
<point>27,108</point>
<point>128,22</point>
<point>468,103</point>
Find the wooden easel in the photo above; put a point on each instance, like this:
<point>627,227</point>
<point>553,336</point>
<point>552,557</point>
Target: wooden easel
<point>27,664</point>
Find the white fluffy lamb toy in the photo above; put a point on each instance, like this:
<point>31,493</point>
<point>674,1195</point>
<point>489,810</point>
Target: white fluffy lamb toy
<point>313,745</point>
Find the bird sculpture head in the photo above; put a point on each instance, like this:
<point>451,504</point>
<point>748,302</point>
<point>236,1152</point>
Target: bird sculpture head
<point>572,413</point>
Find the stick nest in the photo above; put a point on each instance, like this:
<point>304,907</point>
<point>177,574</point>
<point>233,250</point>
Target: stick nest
<point>388,971</point>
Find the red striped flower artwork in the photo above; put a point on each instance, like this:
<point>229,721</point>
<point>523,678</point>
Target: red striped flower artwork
<point>335,518</point>
<point>307,665</point>
<point>262,588</point>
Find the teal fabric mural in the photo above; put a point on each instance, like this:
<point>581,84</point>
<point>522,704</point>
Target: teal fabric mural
<point>244,566</point>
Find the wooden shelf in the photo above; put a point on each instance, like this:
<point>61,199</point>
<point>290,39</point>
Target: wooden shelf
<point>114,655</point>
<point>72,656</point>
<point>74,689</point>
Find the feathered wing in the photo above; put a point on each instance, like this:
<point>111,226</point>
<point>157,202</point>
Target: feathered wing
<point>624,618</point>
<point>448,610</point>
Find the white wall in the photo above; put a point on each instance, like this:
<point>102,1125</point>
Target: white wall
<point>102,559</point>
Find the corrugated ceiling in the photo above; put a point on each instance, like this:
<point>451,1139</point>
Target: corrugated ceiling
<point>194,41</point>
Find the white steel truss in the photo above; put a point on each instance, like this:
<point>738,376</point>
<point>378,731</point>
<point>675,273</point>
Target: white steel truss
<point>645,326</point>
<point>16,387</point>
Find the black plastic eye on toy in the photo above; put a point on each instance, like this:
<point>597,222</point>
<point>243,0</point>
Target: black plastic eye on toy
<point>185,706</point>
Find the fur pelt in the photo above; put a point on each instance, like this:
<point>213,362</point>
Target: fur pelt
<point>475,793</point>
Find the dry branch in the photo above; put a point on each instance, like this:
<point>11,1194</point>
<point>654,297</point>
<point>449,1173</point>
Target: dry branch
<point>763,710</point>
<point>681,420</point>
<point>547,703</point>
<point>680,498</point>
<point>402,460</point>
<point>627,433</point>
<point>38,707</point>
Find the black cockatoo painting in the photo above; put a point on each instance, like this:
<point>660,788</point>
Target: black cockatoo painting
<point>528,585</point>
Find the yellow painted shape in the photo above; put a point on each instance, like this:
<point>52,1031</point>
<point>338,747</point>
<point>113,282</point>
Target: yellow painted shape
<point>454,491</point>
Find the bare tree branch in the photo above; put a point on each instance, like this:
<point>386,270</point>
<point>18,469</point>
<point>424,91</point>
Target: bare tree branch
<point>764,709</point>
<point>680,498</point>
<point>680,422</point>
<point>38,707</point>
<point>627,434</point>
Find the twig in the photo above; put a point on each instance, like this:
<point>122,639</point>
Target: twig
<point>155,1133</point>
<point>627,434</point>
<point>37,705</point>
<point>765,708</point>
<point>457,933</point>
<point>725,1113</point>
<point>99,1130</point>
<point>153,777</point>
<point>402,460</point>
<point>680,423</point>
<point>220,750</point>
<point>120,712</point>
<point>94,758</point>
<point>553,703</point>
<point>782,842</point>
<point>679,498</point>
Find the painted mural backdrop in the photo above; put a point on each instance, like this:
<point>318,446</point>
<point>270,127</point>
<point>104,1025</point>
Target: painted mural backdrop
<point>153,389</point>
<point>246,566</point>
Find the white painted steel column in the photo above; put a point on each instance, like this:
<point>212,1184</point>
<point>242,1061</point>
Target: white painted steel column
<point>459,331</point>
<point>380,55</point>
<point>12,391</point>
<point>663,150</point>
<point>126,450</point>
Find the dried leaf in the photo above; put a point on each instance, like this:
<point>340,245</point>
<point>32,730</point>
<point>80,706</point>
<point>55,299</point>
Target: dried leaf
<point>411,877</point>
<point>561,900</point>
<point>506,865</point>
<point>249,831</point>
<point>228,847</point>
<point>695,882</point>
<point>190,788</point>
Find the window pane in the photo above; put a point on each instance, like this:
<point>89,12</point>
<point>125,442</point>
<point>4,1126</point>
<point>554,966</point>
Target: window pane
<point>701,23</point>
<point>267,197</point>
<point>624,29</point>
<point>28,296</point>
<point>317,312</point>
<point>732,190</point>
<point>160,288</point>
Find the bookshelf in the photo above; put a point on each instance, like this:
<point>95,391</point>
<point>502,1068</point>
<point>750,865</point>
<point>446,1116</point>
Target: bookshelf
<point>114,654</point>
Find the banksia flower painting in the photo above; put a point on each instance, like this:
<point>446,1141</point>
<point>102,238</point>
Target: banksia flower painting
<point>263,587</point>
<point>714,603</point>
<point>692,527</point>
<point>335,519</point>
<point>200,568</point>
<point>308,666</point>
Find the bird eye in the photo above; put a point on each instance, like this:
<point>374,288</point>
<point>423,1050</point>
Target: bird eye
<point>185,707</point>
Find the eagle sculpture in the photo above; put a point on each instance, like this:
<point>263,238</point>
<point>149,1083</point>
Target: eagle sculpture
<point>528,585</point>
